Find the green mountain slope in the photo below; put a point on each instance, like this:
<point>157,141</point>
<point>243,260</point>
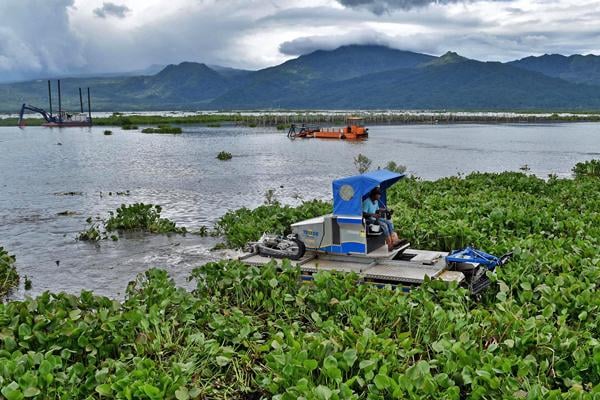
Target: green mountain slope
<point>450,82</point>
<point>349,77</point>
<point>575,68</point>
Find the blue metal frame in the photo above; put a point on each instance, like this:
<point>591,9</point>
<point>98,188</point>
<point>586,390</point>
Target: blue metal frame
<point>472,255</point>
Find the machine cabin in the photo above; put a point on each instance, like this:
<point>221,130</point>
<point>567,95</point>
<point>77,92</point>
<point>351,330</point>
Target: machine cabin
<point>345,231</point>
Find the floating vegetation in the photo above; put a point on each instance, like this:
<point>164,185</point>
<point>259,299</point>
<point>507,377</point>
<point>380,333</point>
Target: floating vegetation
<point>224,156</point>
<point>138,217</point>
<point>213,125</point>
<point>93,233</point>
<point>129,127</point>
<point>372,118</point>
<point>141,217</point>
<point>107,133</point>
<point>587,168</point>
<point>249,332</point>
<point>9,278</point>
<point>67,213</point>
<point>68,194</point>
<point>167,129</point>
<point>27,284</point>
<point>524,167</point>
<point>125,193</point>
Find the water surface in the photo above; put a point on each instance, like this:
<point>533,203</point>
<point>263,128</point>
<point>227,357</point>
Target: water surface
<point>180,172</point>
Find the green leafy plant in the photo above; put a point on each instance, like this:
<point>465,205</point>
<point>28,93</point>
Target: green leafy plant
<point>129,218</point>
<point>270,198</point>
<point>250,332</point>
<point>244,225</point>
<point>224,156</point>
<point>398,168</point>
<point>587,168</point>
<point>9,278</point>
<point>140,217</point>
<point>362,163</point>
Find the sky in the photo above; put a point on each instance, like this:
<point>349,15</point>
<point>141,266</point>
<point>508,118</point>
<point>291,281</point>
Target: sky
<point>46,38</point>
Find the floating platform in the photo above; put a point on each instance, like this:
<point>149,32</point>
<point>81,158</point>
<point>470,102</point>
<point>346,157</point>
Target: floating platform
<point>402,267</point>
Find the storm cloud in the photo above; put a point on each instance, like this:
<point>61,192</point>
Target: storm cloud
<point>36,39</point>
<point>381,6</point>
<point>40,39</point>
<point>112,10</point>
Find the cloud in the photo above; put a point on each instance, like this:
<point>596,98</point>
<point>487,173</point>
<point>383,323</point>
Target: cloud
<point>308,44</point>
<point>36,39</point>
<point>109,9</point>
<point>381,6</point>
<point>41,39</point>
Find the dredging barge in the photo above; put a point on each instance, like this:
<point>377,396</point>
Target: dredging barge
<point>345,241</point>
<point>62,119</point>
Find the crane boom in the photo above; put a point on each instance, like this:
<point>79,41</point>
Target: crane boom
<point>43,112</point>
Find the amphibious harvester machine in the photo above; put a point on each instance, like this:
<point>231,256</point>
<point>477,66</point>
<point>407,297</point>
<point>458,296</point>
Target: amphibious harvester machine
<point>346,241</point>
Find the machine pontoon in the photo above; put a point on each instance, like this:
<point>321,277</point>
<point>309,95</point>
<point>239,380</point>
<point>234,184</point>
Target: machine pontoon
<point>345,241</point>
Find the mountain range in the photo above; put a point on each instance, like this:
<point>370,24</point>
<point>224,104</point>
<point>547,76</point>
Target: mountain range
<point>349,77</point>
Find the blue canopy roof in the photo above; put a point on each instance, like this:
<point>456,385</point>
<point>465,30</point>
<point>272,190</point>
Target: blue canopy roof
<point>349,193</point>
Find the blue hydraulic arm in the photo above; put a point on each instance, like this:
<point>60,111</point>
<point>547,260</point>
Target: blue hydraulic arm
<point>471,255</point>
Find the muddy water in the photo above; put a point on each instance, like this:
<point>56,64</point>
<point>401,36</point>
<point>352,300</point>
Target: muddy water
<point>45,172</point>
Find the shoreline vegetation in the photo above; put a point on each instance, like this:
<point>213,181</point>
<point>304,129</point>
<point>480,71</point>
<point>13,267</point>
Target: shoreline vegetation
<point>282,120</point>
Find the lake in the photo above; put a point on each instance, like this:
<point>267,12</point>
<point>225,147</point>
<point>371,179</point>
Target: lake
<point>80,170</point>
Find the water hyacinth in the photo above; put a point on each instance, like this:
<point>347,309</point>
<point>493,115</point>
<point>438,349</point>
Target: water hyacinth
<point>249,332</point>
<point>9,278</point>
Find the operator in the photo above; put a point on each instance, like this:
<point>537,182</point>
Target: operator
<point>373,211</point>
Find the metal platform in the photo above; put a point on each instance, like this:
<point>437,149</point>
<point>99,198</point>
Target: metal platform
<point>410,267</point>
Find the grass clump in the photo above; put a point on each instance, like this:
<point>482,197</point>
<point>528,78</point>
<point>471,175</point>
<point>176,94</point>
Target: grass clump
<point>107,133</point>
<point>166,129</point>
<point>129,127</point>
<point>213,125</point>
<point>9,278</point>
<point>587,168</point>
<point>224,156</point>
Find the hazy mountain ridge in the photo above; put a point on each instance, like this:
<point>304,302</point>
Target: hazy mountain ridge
<point>348,77</point>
